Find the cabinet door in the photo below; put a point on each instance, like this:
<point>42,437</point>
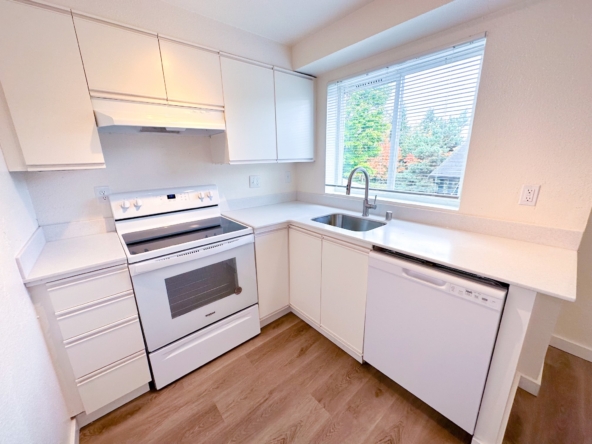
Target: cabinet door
<point>294,107</point>
<point>191,75</point>
<point>250,111</point>
<point>120,60</point>
<point>343,292</point>
<point>271,250</point>
<point>45,88</point>
<point>305,273</point>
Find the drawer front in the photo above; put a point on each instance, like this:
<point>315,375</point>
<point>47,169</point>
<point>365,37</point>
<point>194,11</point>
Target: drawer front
<point>111,383</point>
<point>99,348</point>
<point>79,290</point>
<point>97,314</point>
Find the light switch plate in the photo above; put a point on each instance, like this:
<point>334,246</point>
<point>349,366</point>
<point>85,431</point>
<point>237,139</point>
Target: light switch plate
<point>102,194</point>
<point>529,195</point>
<point>253,181</point>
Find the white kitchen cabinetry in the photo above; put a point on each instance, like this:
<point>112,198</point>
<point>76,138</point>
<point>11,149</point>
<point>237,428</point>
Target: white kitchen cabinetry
<point>343,292</point>
<point>273,272</point>
<point>119,61</point>
<point>294,109</point>
<point>47,120</point>
<point>93,332</point>
<point>249,101</point>
<point>305,274</point>
<point>192,75</point>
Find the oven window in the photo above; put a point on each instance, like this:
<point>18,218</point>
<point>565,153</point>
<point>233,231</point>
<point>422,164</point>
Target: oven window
<point>195,289</point>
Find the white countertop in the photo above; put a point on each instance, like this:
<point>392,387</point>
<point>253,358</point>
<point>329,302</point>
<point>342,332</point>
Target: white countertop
<point>77,255</point>
<point>545,269</point>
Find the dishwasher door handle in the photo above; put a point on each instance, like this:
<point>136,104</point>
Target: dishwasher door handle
<point>424,278</point>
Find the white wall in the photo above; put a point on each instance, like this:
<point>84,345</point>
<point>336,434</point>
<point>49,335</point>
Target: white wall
<point>532,122</point>
<point>575,321</point>
<point>147,161</point>
<point>32,409</point>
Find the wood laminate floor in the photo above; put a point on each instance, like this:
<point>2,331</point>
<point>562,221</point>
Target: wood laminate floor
<point>292,385</point>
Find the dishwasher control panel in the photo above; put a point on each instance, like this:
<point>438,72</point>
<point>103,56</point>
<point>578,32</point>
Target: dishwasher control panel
<point>475,296</point>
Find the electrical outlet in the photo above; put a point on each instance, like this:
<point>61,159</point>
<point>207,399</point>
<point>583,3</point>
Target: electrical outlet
<point>529,195</point>
<point>288,176</point>
<point>102,194</point>
<point>253,181</point>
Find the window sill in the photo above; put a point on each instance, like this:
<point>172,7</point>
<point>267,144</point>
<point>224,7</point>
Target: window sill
<point>440,203</point>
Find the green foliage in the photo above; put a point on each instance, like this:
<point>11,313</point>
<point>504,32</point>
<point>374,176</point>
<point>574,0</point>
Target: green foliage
<point>367,124</point>
<point>422,147</point>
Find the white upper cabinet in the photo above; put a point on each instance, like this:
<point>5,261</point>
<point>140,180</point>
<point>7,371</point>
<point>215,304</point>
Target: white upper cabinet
<point>120,61</point>
<point>192,75</point>
<point>294,109</point>
<point>46,106</point>
<point>250,111</point>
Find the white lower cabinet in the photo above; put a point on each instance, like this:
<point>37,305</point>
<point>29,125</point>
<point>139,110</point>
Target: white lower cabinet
<point>343,292</point>
<point>273,271</point>
<point>109,383</point>
<point>328,280</point>
<point>305,273</point>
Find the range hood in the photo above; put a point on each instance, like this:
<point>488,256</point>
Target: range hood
<point>120,116</point>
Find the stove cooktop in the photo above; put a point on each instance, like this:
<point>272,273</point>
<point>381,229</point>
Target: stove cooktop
<point>158,238</point>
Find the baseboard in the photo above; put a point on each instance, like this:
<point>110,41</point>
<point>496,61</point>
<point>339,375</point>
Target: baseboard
<point>74,436</point>
<point>573,348</point>
<point>329,335</point>
<point>530,385</point>
<point>274,316</point>
<point>84,419</point>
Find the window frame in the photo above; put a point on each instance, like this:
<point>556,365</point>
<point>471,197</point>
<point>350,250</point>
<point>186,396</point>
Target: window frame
<point>396,72</point>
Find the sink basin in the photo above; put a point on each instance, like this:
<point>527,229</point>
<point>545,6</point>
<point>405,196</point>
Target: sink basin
<point>350,223</point>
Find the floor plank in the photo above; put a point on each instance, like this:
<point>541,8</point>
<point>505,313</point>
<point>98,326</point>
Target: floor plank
<point>292,385</point>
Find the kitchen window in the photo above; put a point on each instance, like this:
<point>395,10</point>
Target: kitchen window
<point>408,125</point>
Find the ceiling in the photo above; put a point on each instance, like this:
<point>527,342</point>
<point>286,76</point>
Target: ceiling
<point>284,21</point>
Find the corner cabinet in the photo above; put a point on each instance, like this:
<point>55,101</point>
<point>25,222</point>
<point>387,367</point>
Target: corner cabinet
<point>46,117</point>
<point>328,285</point>
<point>271,252</point>
<point>269,115</point>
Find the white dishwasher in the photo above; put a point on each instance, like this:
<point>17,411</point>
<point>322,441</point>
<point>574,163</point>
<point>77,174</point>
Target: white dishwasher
<point>432,331</point>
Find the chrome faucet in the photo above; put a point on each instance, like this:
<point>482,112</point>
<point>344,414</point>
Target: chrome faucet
<point>367,206</point>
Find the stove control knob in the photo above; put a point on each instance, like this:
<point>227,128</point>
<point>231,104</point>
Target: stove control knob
<point>138,203</point>
<point>209,195</point>
<point>200,196</point>
<point>125,204</point>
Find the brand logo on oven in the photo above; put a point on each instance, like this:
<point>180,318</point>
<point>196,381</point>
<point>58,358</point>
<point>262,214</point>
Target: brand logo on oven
<point>210,314</point>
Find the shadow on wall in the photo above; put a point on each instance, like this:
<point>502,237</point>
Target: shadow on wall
<point>575,321</point>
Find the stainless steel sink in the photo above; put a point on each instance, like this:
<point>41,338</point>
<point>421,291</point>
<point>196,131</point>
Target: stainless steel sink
<point>349,222</point>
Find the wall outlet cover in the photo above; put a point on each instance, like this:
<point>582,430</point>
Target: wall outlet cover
<point>253,181</point>
<point>529,195</point>
<point>102,194</point>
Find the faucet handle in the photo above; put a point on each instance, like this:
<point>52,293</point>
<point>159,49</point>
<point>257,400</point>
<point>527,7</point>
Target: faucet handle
<point>373,205</point>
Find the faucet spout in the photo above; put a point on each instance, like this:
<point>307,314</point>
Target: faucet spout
<point>367,205</point>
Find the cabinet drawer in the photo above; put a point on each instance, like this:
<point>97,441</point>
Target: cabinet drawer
<point>97,314</point>
<point>71,292</point>
<point>104,346</point>
<point>111,383</point>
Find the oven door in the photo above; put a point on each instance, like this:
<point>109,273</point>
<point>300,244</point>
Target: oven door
<point>184,292</point>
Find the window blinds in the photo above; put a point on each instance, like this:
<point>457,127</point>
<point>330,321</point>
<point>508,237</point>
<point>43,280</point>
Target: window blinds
<point>407,124</point>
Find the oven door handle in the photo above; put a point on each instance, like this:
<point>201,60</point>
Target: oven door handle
<point>189,255</point>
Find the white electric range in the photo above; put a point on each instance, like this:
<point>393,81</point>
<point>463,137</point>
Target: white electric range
<point>193,273</point>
